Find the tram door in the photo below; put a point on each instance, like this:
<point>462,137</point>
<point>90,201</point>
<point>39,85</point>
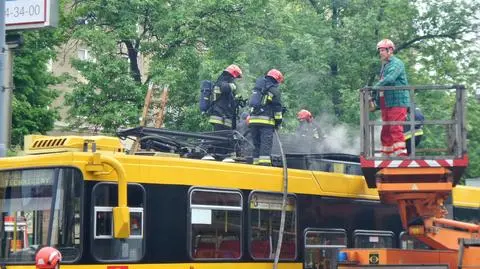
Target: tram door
<point>322,246</point>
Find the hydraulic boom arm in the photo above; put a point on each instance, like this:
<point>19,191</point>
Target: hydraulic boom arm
<point>420,194</point>
<point>419,185</point>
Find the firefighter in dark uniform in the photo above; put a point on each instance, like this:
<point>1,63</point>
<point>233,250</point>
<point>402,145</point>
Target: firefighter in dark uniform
<point>265,115</point>
<point>307,128</point>
<point>222,112</point>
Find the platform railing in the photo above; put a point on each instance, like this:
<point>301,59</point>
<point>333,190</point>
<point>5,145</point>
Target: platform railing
<point>455,127</point>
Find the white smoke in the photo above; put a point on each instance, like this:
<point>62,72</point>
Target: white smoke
<point>339,137</point>
<point>334,138</point>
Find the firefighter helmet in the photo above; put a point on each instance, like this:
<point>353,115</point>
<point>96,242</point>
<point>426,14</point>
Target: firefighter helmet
<point>304,115</point>
<point>277,75</point>
<point>234,70</point>
<point>48,258</point>
<point>385,44</point>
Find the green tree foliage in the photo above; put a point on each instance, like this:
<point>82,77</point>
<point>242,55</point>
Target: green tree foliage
<point>33,95</point>
<point>175,38</point>
<point>326,49</point>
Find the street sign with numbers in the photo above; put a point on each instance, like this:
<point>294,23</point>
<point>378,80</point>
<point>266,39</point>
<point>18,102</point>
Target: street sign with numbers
<point>30,14</point>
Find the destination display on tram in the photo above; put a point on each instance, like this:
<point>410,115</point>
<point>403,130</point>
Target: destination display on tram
<point>26,178</point>
<point>270,202</point>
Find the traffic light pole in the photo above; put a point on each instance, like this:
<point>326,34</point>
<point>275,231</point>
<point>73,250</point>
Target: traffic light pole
<point>5,92</point>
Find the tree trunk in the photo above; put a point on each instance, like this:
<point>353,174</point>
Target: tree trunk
<point>133,57</point>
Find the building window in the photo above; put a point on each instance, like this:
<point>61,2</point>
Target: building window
<point>50,65</point>
<point>215,224</point>
<point>85,55</point>
<point>265,213</point>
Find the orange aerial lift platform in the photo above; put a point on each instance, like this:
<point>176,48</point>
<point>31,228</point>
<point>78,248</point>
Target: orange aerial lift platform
<point>419,185</point>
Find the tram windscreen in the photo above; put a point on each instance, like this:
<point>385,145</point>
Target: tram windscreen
<point>39,207</point>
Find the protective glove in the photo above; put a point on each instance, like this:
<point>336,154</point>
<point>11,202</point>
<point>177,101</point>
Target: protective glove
<point>371,105</point>
<point>278,123</point>
<point>232,86</point>
<point>240,101</point>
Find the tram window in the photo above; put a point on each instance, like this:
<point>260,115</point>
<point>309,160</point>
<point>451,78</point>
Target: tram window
<point>373,239</point>
<point>103,222</point>
<point>353,169</point>
<point>136,222</point>
<point>265,214</point>
<point>464,214</point>
<point>323,165</point>
<point>104,246</point>
<point>409,242</point>
<point>40,207</point>
<point>322,246</point>
<point>338,168</point>
<point>215,224</point>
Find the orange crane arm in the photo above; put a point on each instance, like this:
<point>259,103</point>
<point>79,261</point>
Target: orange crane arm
<point>420,194</point>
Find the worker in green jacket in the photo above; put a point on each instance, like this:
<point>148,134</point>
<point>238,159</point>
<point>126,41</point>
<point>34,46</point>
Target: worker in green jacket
<point>393,103</point>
